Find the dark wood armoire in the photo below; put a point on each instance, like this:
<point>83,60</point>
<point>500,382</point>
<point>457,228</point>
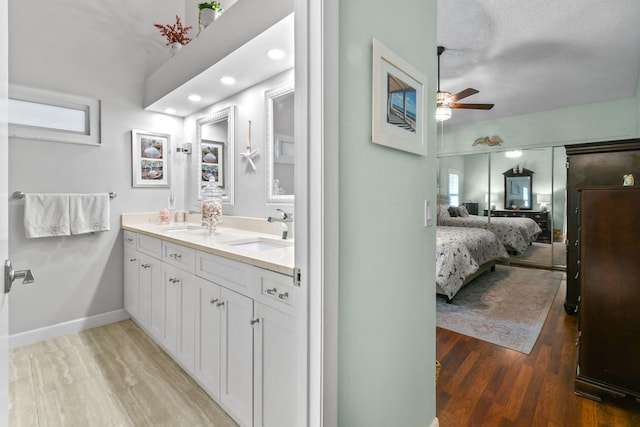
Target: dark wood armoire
<point>603,163</point>
<point>609,306</point>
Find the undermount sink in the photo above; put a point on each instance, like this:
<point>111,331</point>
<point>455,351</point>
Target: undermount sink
<point>173,229</point>
<point>260,244</point>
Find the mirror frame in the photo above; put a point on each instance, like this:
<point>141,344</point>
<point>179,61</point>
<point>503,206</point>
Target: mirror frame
<point>270,96</point>
<point>228,114</point>
<point>526,173</point>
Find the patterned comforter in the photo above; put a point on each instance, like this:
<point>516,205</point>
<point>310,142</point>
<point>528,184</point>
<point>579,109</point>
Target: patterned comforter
<point>460,252</point>
<point>514,233</point>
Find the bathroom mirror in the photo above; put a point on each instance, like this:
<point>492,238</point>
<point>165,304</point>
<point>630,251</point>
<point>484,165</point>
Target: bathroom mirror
<point>215,147</point>
<point>280,144</point>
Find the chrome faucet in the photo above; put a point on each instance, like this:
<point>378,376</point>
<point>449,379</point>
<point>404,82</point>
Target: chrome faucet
<point>286,217</point>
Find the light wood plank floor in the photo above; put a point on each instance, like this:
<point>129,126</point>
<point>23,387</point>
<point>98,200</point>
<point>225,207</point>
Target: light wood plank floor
<point>114,375</point>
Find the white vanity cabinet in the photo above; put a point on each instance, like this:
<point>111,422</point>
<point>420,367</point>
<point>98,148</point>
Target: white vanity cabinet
<point>131,282</point>
<point>208,336</point>
<point>276,369</point>
<point>233,326</point>
<point>179,305</point>
<point>141,273</point>
<point>236,380</point>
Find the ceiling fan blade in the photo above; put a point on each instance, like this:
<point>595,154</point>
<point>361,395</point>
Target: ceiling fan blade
<point>467,92</point>
<point>473,106</point>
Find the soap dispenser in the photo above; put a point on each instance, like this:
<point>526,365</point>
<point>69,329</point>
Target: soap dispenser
<point>211,206</point>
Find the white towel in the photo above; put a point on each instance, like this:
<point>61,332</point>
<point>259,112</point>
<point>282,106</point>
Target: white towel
<point>89,213</point>
<point>46,215</point>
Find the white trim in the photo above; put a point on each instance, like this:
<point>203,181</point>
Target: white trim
<point>229,183</point>
<point>91,136</point>
<point>36,335</point>
<point>435,422</point>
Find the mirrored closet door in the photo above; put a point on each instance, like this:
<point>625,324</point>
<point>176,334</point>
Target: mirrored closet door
<point>520,183</point>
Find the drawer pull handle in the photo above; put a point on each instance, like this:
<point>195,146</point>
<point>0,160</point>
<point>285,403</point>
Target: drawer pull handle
<point>129,239</point>
<point>146,265</point>
<point>214,300</point>
<point>284,296</point>
<point>254,321</point>
<point>174,281</point>
<point>221,303</point>
<point>175,256</point>
<point>132,260</point>
<point>272,291</point>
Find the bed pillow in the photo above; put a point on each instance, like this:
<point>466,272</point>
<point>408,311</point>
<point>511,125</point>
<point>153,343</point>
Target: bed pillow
<point>462,210</point>
<point>453,211</point>
<point>443,212</point>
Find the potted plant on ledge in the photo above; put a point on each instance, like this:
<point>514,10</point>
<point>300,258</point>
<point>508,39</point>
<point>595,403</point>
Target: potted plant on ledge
<point>208,13</point>
<point>176,34</point>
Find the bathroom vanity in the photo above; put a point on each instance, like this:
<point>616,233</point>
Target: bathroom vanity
<point>226,309</point>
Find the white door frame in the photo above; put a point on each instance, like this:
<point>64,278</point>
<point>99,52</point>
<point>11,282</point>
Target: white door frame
<point>4,226</point>
<point>316,205</point>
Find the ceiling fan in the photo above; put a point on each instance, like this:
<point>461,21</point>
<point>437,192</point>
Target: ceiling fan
<point>445,101</point>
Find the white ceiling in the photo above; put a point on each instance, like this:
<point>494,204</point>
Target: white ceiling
<point>248,64</point>
<point>532,56</point>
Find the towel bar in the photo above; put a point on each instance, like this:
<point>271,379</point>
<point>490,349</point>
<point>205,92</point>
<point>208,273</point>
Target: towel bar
<point>20,195</point>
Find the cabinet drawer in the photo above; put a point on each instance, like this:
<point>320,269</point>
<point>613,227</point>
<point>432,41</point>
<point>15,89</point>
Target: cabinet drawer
<point>277,291</point>
<point>228,273</point>
<point>129,239</point>
<point>149,245</point>
<point>179,256</point>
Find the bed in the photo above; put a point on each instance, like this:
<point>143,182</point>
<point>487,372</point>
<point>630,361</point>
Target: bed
<point>516,234</point>
<point>462,254</point>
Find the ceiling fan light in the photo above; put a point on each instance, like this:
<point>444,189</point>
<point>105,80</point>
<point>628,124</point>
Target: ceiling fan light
<point>441,97</point>
<point>443,113</point>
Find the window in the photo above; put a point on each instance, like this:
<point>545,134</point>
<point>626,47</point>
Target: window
<point>454,192</point>
<point>51,116</point>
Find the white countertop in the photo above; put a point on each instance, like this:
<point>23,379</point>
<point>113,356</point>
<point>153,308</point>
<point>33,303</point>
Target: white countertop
<point>280,260</point>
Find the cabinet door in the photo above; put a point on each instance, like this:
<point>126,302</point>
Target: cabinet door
<point>131,282</point>
<point>276,367</point>
<point>171,284</point>
<point>236,392</point>
<point>209,307</point>
<point>150,277</point>
<point>156,298</point>
<point>186,339</point>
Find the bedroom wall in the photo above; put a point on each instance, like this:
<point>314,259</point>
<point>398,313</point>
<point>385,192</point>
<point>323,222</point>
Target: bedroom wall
<point>386,331</point>
<point>94,49</point>
<point>605,121</point>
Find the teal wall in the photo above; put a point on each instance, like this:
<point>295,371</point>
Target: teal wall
<point>605,121</point>
<point>386,354</point>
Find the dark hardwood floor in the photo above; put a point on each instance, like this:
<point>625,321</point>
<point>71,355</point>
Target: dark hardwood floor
<point>482,384</point>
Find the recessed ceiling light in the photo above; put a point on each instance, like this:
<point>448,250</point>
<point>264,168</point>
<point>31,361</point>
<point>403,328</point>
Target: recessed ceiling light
<point>226,80</point>
<point>170,110</point>
<point>275,53</point>
<point>513,154</point>
<point>195,98</point>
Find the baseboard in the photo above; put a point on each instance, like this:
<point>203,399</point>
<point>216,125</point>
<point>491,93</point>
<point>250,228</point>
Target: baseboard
<point>70,327</point>
<point>435,422</point>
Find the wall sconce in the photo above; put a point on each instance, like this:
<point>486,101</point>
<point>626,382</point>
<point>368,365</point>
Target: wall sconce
<point>184,148</point>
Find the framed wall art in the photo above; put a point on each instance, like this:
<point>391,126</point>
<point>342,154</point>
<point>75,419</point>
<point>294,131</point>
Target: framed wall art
<point>212,164</point>
<point>150,159</point>
<point>398,107</point>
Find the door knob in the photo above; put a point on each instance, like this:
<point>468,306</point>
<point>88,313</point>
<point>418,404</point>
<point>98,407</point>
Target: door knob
<point>10,275</point>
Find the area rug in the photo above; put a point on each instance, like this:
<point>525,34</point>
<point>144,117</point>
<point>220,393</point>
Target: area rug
<point>506,307</point>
